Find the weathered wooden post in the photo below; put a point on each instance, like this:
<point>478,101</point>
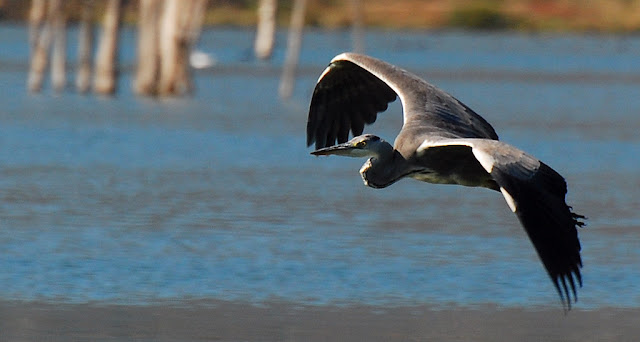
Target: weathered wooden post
<point>294,42</point>
<point>265,29</point>
<point>104,81</point>
<point>167,31</point>
<point>358,26</point>
<point>180,28</point>
<point>85,45</point>
<point>39,39</point>
<point>59,52</point>
<point>37,16</point>
<point>168,46</point>
<point>148,56</point>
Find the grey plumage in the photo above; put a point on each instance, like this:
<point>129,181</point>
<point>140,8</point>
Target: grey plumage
<point>443,141</point>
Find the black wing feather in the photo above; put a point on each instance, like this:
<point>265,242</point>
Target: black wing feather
<point>550,224</point>
<point>346,90</point>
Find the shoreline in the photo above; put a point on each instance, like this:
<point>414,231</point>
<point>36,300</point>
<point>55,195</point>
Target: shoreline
<point>209,320</point>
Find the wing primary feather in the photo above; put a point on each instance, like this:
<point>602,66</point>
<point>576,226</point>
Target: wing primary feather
<point>556,284</point>
<point>576,272</point>
<point>566,292</point>
<point>311,127</point>
<point>343,132</point>
<point>573,286</point>
<point>321,136</point>
<point>357,125</point>
<point>332,133</point>
<point>318,106</point>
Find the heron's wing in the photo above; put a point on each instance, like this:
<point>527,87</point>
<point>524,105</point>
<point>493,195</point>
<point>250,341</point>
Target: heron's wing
<point>354,88</point>
<point>536,194</point>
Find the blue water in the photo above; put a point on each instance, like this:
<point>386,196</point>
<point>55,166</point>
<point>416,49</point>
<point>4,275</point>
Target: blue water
<point>214,196</point>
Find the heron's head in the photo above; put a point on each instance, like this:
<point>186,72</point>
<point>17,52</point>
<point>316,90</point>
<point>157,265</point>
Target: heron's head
<point>367,145</point>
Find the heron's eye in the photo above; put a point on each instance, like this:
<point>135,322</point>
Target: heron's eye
<point>361,144</point>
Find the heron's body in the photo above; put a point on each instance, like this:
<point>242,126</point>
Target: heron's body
<point>453,166</point>
<point>442,141</point>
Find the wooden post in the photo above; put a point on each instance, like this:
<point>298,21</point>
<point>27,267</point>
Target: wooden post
<point>168,45</point>
<point>180,27</point>
<point>59,53</point>
<point>85,45</point>
<point>37,16</point>
<point>148,59</point>
<point>358,26</point>
<point>266,29</point>
<point>40,39</point>
<point>105,72</point>
<point>294,42</point>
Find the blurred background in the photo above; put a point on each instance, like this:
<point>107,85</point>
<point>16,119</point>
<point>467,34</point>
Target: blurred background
<point>154,151</point>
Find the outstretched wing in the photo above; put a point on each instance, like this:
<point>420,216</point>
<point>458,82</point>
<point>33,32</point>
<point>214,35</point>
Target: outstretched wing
<point>354,88</point>
<point>536,194</point>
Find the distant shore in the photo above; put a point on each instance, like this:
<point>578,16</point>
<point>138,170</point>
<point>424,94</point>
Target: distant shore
<point>617,16</point>
<point>229,321</point>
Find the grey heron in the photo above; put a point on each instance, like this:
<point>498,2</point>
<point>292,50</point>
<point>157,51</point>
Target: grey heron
<point>445,142</point>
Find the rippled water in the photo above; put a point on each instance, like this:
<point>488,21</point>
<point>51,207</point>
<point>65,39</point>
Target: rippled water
<point>133,200</point>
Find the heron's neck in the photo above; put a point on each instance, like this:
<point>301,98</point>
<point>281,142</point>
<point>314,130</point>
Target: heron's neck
<point>383,169</point>
<point>383,151</point>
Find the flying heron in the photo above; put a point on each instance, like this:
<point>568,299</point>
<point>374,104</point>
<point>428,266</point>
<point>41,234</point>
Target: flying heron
<point>443,141</point>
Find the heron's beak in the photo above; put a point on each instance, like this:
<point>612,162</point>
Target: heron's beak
<point>345,149</point>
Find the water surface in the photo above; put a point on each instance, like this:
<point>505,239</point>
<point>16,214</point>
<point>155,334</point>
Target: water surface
<point>215,196</point>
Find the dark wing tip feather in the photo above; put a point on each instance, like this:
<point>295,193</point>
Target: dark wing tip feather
<point>577,218</point>
<point>550,224</point>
